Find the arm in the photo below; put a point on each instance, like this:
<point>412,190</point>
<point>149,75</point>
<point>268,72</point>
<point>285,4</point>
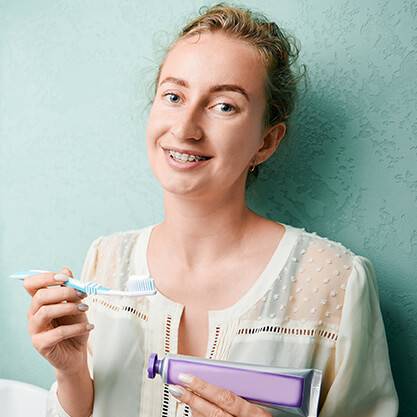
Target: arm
<point>76,393</point>
<point>363,385</point>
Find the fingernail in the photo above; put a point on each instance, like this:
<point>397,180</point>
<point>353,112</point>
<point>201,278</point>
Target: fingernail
<point>89,326</point>
<point>187,379</point>
<point>82,307</point>
<point>81,294</point>
<point>176,390</point>
<point>61,277</point>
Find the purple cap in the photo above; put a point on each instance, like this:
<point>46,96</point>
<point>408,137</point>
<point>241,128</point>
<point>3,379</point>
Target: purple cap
<point>153,363</point>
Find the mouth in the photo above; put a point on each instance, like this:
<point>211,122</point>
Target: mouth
<point>181,155</point>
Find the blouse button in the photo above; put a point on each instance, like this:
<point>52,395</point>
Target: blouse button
<point>329,261</point>
<point>320,322</point>
<point>275,297</point>
<point>333,293</point>
<point>293,278</point>
<point>305,298</point>
<point>338,307</point>
<point>298,290</point>
<point>320,249</point>
<point>316,290</point>
<point>343,286</point>
<point>313,310</point>
<point>295,309</point>
<point>337,273</point>
<point>264,299</point>
<point>284,287</point>
<point>326,281</point>
<point>318,269</point>
<point>259,317</point>
<point>272,315</point>
<point>301,269</point>
<point>323,301</point>
<point>327,314</point>
<point>346,266</point>
<point>308,279</point>
<point>281,307</point>
<point>310,260</point>
<point>338,255</point>
<point>302,251</point>
<point>294,259</point>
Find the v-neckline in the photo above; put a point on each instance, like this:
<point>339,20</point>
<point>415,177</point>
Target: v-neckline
<point>270,272</point>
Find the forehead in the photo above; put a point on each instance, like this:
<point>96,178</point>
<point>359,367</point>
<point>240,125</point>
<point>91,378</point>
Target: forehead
<point>215,58</point>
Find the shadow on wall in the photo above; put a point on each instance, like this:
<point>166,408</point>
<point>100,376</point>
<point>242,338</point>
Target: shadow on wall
<point>312,181</point>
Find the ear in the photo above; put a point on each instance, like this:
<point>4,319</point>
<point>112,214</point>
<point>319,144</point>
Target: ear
<point>271,141</point>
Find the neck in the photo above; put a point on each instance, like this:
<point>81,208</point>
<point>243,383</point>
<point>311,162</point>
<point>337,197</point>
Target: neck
<point>202,232</point>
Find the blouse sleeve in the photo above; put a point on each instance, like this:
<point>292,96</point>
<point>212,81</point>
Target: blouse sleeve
<point>363,385</point>
<point>54,408</point>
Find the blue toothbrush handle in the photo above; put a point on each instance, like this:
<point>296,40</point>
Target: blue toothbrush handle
<point>77,285</point>
<point>71,282</point>
<point>24,274</point>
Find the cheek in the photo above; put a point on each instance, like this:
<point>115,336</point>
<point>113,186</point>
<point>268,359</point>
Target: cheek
<point>154,127</point>
<point>240,142</point>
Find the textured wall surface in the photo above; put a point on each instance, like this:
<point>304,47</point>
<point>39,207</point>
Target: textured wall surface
<point>73,85</point>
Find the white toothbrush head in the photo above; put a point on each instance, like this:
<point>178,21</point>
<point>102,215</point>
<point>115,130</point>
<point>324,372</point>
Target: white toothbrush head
<point>143,284</point>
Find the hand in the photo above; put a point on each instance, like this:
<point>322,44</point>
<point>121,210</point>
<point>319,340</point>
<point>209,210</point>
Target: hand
<point>57,324</point>
<point>208,400</point>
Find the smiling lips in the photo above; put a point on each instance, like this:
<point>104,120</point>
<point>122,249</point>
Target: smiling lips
<point>183,162</point>
<point>186,152</point>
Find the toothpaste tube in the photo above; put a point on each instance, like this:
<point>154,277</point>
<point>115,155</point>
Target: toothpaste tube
<point>294,391</point>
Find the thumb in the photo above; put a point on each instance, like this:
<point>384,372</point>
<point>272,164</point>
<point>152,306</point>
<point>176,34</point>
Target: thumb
<point>67,271</point>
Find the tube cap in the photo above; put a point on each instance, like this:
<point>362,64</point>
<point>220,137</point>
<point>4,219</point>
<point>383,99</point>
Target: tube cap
<point>153,359</point>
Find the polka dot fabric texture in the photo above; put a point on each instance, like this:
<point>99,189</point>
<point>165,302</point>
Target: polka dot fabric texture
<point>311,287</point>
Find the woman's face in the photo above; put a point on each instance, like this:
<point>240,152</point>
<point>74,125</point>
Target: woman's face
<point>210,100</point>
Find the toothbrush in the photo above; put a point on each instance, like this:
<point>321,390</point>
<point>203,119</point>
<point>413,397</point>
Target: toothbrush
<point>137,285</point>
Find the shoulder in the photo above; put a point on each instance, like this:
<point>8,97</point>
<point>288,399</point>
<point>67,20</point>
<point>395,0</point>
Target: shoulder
<point>322,273</point>
<point>330,252</point>
<point>109,255</point>
<point>117,240</point>
<point>323,250</point>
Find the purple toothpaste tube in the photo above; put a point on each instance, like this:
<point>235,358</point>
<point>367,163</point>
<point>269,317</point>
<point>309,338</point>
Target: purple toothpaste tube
<point>295,391</point>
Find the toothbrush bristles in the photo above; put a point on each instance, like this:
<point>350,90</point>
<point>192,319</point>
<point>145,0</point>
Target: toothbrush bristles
<point>140,284</point>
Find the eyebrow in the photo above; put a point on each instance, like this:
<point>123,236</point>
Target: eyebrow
<point>213,89</point>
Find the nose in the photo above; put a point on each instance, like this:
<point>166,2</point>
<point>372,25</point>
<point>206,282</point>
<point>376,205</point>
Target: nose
<point>187,126</point>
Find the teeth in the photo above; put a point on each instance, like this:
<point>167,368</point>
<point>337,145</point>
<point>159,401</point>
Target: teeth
<point>185,157</point>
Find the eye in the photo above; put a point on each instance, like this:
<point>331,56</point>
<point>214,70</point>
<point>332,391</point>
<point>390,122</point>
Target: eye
<point>172,97</point>
<point>225,107</point>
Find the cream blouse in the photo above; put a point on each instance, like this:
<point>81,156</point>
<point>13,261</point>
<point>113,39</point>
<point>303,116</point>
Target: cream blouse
<point>315,305</point>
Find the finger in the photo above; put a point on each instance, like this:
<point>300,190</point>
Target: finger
<point>197,404</point>
<point>67,271</point>
<point>43,280</point>
<point>45,341</point>
<point>42,320</point>
<point>54,295</point>
<point>224,399</point>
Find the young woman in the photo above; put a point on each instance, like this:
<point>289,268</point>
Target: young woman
<point>232,285</point>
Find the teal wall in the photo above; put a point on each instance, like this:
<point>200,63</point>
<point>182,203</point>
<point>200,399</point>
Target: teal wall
<point>73,165</point>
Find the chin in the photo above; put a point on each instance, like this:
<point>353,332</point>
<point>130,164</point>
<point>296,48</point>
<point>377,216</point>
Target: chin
<point>182,187</point>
